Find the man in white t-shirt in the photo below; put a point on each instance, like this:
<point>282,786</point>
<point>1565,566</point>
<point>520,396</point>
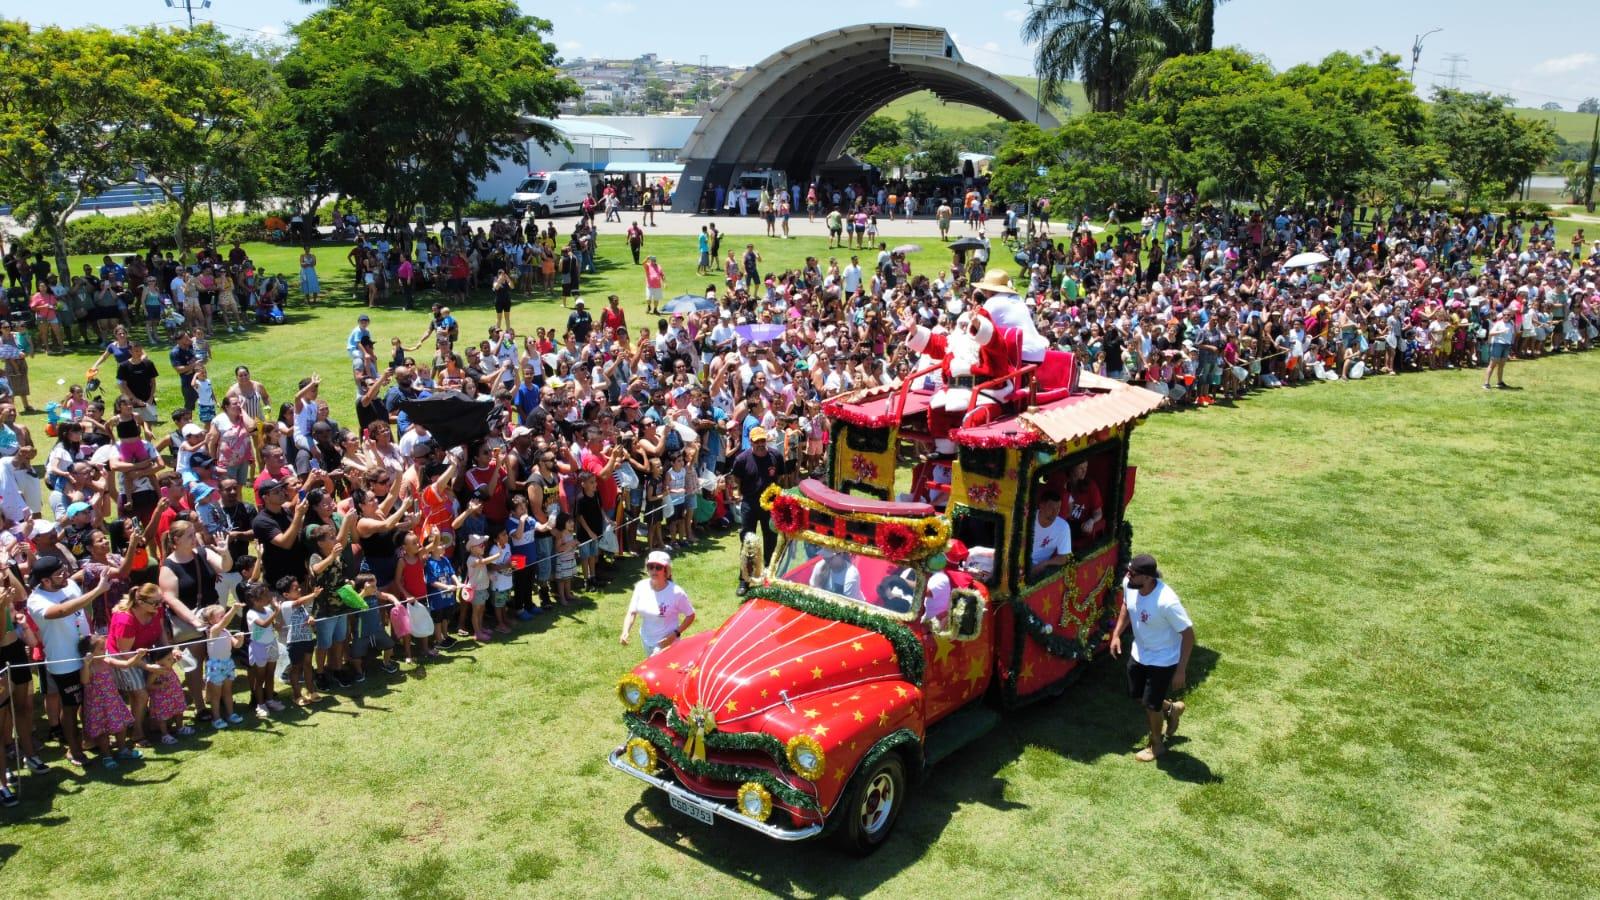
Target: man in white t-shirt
<point>1163,638</point>
<point>56,606</point>
<point>662,608</point>
<point>1052,536</point>
<point>837,574</point>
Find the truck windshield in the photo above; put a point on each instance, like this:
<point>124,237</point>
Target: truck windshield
<point>531,186</point>
<point>856,577</point>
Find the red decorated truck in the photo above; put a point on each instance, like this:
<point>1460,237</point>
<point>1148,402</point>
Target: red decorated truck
<point>861,655</point>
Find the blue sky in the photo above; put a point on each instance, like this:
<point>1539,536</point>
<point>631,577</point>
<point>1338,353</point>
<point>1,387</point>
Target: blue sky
<point>1536,52</point>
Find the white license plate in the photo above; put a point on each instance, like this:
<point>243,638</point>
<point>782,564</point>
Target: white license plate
<point>692,810</point>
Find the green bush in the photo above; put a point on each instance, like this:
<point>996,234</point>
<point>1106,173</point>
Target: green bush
<point>485,209</point>
<point>136,232</point>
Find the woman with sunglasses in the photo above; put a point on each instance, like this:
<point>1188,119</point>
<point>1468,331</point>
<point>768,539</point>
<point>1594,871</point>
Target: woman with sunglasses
<point>661,606</point>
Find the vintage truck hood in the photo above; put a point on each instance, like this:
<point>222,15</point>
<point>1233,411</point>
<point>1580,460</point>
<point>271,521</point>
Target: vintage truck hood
<point>767,652</point>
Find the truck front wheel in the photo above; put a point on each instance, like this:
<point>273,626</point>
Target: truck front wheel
<point>874,804</point>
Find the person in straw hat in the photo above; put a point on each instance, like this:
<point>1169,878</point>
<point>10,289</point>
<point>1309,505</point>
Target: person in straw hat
<point>1008,310</point>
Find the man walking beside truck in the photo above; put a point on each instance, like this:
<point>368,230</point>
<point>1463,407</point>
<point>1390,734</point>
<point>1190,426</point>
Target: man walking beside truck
<point>1163,638</point>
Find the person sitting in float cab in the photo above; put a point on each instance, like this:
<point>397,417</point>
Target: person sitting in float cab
<point>1052,536</point>
<point>838,575</point>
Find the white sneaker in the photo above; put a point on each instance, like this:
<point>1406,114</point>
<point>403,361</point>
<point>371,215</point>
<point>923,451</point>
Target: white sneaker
<point>262,712</point>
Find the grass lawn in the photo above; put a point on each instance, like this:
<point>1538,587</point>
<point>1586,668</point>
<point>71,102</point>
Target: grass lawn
<point>1390,696</point>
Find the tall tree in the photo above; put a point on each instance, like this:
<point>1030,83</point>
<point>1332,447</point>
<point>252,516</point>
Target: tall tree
<point>70,103</point>
<point>407,102</point>
<point>1106,44</point>
<point>1488,149</point>
<point>205,142</point>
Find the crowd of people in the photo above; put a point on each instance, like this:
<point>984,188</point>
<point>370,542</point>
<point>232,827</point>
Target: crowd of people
<point>160,546</point>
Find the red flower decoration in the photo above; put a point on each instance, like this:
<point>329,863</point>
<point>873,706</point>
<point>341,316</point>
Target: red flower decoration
<point>897,541</point>
<point>788,515</point>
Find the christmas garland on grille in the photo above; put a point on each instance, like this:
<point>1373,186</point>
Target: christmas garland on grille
<point>907,646</point>
<point>788,795</point>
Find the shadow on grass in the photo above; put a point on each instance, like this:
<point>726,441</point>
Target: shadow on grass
<point>1092,718</point>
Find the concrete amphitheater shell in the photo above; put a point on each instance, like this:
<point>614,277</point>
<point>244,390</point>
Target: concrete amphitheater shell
<point>796,109</point>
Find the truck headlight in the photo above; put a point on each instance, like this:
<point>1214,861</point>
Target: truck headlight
<point>641,754</point>
<point>806,756</point>
<point>632,690</point>
<point>755,801</point>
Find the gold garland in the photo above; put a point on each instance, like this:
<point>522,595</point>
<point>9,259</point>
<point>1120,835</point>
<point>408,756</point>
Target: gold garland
<point>750,788</point>
<point>934,530</point>
<point>632,680</point>
<point>1070,602</point>
<point>803,741</point>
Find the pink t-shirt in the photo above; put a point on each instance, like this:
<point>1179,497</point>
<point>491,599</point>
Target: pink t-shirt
<point>128,633</point>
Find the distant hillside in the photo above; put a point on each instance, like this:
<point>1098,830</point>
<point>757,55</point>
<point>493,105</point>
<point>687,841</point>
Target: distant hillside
<point>1573,126</point>
<point>960,115</point>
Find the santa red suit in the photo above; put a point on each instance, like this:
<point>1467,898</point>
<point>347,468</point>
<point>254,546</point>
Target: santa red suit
<point>973,353</point>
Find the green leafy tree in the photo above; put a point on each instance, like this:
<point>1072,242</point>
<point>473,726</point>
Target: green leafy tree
<point>887,157</point>
<point>71,104</point>
<point>918,129</point>
<point>1589,106</point>
<point>204,143</point>
<point>408,102</point>
<point>1488,149</point>
<point>656,97</point>
<point>875,131</point>
<point>940,157</point>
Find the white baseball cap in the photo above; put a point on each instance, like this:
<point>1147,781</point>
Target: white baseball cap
<point>658,558</point>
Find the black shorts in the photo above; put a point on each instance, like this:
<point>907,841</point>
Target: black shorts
<point>299,650</point>
<point>68,684</point>
<point>15,654</point>
<point>503,306</point>
<point>1149,684</point>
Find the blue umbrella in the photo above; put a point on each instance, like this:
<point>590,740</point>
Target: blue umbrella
<point>689,303</point>
<point>761,332</point>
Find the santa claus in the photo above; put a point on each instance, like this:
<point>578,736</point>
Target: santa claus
<point>973,353</point>
<point>1008,310</point>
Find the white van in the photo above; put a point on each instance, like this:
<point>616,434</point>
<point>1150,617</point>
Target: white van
<point>548,194</point>
<point>754,181</point>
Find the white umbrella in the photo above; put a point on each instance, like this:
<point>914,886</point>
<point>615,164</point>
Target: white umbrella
<point>1301,260</point>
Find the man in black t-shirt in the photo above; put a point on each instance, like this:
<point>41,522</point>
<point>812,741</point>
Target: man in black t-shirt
<point>185,362</point>
<point>755,470</point>
<point>241,516</point>
<point>580,323</point>
<point>137,378</point>
<point>278,530</point>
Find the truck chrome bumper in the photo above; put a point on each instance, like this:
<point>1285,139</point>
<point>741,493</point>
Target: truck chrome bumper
<point>618,761</point>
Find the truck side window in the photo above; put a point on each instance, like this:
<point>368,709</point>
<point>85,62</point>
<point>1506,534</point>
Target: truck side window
<point>982,532</point>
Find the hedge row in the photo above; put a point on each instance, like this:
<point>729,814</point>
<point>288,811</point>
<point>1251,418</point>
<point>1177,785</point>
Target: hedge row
<point>137,231</point>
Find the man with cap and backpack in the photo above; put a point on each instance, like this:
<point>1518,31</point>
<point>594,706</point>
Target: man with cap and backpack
<point>1163,638</point>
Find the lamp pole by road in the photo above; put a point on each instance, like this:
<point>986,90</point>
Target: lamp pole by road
<point>1416,51</point>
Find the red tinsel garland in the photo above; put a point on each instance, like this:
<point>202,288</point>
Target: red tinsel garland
<point>896,541</point>
<point>788,515</point>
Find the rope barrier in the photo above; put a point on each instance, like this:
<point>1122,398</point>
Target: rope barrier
<point>643,514</point>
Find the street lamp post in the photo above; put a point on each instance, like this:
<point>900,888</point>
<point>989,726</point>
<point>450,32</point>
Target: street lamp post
<point>1416,51</point>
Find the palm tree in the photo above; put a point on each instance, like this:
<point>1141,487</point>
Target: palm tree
<point>1105,43</point>
<point>1194,25</point>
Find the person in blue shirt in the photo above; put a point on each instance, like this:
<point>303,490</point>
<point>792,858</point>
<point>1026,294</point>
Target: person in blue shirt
<point>526,397</point>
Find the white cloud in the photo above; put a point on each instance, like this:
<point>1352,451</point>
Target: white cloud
<point>570,46</point>
<point>1572,62</point>
<point>991,46</point>
<point>1014,15</point>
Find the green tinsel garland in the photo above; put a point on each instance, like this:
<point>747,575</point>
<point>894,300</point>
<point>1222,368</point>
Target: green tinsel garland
<point>784,793</point>
<point>887,743</point>
<point>738,741</point>
<point>907,646</point>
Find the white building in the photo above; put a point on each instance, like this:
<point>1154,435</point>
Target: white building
<point>639,146</point>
